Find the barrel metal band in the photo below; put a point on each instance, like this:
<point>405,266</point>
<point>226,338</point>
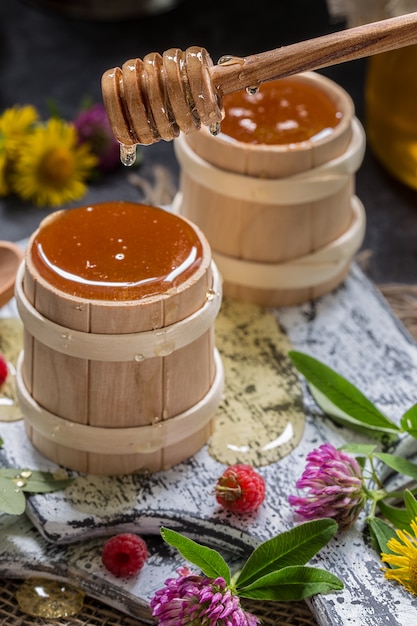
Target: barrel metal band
<point>130,440</point>
<point>314,184</point>
<point>303,272</point>
<point>119,347</point>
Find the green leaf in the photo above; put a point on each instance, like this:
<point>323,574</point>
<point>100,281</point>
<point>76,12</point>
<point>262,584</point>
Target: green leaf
<point>381,532</point>
<point>34,481</point>
<point>398,464</point>
<point>384,435</point>
<point>341,393</point>
<point>12,500</point>
<point>45,483</point>
<point>358,449</point>
<point>293,547</point>
<point>292,583</point>
<point>344,418</point>
<point>208,560</point>
<point>53,108</point>
<point>410,504</point>
<point>409,421</point>
<point>10,472</point>
<point>86,103</point>
<point>397,516</point>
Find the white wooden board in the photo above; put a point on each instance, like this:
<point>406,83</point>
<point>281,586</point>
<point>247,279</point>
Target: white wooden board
<point>353,331</point>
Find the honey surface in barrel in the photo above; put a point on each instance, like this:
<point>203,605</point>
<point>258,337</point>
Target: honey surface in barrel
<point>116,251</point>
<point>280,112</point>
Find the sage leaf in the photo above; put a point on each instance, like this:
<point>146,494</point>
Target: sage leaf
<point>398,464</point>
<point>208,560</point>
<point>359,449</point>
<point>34,481</point>
<point>381,532</point>
<point>43,482</point>
<point>294,582</point>
<point>397,516</point>
<point>9,472</point>
<point>409,421</point>
<point>410,504</point>
<point>341,393</point>
<point>12,500</point>
<point>293,547</point>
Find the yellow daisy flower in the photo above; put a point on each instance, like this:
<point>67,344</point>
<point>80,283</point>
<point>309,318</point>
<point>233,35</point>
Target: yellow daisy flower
<point>15,123</point>
<point>52,168</point>
<point>4,186</point>
<point>403,559</point>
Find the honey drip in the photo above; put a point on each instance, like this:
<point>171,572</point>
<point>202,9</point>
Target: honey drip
<point>261,419</point>
<point>128,154</point>
<point>116,251</point>
<point>49,599</point>
<point>157,97</point>
<point>281,112</point>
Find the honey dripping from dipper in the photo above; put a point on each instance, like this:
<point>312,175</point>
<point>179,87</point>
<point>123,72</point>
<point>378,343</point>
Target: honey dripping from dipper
<point>128,151</point>
<point>281,111</point>
<point>160,96</point>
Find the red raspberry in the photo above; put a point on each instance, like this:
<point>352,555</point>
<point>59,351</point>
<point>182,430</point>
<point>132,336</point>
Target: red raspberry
<point>240,489</point>
<point>124,555</point>
<point>4,372</point>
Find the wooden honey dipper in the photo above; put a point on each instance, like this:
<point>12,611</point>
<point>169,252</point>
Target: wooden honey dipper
<point>159,96</point>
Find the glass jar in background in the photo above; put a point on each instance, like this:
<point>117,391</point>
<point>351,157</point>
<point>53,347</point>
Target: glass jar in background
<point>391,111</point>
<point>390,92</point>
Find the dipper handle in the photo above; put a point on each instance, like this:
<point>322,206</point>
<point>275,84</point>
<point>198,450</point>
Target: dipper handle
<point>159,96</point>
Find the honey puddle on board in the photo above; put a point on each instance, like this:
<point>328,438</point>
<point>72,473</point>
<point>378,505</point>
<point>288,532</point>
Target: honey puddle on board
<point>261,418</point>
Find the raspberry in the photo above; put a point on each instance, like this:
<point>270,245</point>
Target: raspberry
<point>124,554</point>
<point>240,489</point>
<point>3,370</point>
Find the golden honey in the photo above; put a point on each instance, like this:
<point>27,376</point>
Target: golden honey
<point>116,251</point>
<point>281,112</point>
<point>390,109</point>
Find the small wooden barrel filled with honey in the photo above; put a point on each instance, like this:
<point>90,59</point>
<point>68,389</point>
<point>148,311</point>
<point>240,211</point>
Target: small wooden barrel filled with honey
<point>119,370</point>
<point>274,190</point>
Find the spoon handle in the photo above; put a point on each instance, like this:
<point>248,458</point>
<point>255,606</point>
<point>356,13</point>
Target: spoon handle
<point>313,54</point>
<point>159,96</point>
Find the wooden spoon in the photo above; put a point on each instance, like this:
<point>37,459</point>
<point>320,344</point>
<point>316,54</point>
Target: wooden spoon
<point>158,97</point>
<point>11,256</point>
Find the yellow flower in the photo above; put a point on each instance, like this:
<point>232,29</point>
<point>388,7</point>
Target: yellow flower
<point>4,186</point>
<point>403,559</point>
<point>15,123</point>
<point>52,168</point>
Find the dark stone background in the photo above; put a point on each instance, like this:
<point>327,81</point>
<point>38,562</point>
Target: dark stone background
<point>47,57</point>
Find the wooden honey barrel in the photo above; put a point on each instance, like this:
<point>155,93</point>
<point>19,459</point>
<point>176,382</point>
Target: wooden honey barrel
<point>119,371</point>
<point>282,220</point>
